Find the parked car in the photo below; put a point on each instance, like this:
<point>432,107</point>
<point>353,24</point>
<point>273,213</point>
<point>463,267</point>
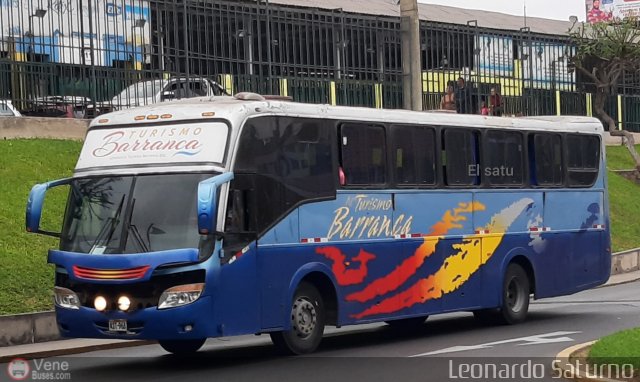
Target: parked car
<point>8,110</point>
<point>58,107</point>
<point>154,91</point>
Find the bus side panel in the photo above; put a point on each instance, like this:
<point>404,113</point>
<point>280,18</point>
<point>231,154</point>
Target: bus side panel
<point>237,300</point>
<point>436,215</point>
<point>576,220</point>
<point>506,218</point>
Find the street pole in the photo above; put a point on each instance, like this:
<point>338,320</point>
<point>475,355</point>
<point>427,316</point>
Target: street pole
<point>411,60</point>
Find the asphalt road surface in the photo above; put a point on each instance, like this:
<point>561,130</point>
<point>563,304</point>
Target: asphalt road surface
<point>447,347</point>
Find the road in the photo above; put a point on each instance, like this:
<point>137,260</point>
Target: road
<point>380,353</point>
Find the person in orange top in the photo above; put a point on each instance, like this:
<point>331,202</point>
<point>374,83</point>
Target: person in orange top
<point>448,101</point>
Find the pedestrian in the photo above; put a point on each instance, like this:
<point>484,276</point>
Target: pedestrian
<point>463,98</point>
<point>448,101</point>
<point>484,110</point>
<point>495,103</point>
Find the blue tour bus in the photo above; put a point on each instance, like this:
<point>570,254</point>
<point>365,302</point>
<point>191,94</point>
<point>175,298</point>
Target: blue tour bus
<point>230,216</point>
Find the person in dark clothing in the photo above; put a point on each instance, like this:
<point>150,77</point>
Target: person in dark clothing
<point>463,98</point>
<point>495,103</point>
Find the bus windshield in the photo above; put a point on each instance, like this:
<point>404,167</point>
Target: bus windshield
<point>132,214</point>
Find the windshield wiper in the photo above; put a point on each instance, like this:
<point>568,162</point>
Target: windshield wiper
<point>138,237</point>
<point>132,228</point>
<point>109,228</point>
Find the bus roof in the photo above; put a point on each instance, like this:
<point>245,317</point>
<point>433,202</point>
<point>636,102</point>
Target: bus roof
<point>235,111</point>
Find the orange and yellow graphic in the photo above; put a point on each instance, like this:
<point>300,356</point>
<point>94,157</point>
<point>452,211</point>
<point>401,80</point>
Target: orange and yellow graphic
<point>469,256</point>
<point>395,279</point>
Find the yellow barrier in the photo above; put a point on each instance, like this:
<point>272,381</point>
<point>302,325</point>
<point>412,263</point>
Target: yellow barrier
<point>284,87</point>
<point>379,96</point>
<point>332,93</point>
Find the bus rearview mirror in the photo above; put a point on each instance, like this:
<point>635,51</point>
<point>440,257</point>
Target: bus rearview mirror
<point>208,202</point>
<point>36,202</point>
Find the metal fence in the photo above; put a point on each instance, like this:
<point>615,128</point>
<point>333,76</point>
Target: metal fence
<point>83,57</point>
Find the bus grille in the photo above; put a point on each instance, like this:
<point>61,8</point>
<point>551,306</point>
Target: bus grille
<point>110,274</point>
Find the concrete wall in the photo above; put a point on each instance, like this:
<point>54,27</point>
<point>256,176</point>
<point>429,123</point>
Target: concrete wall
<point>34,127</point>
<point>625,262</point>
<point>617,141</point>
<point>24,329</point>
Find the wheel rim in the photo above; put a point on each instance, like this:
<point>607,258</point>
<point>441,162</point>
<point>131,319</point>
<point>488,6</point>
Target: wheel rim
<point>515,295</point>
<point>304,317</point>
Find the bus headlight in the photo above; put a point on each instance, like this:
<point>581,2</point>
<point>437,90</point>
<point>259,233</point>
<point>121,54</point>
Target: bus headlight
<point>180,295</point>
<point>124,303</point>
<point>100,303</point>
<point>66,298</point>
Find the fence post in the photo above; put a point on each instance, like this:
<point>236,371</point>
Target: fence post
<point>589,105</point>
<point>284,87</point>
<point>558,103</point>
<point>226,80</point>
<point>18,75</point>
<point>378,96</point>
<point>620,116</point>
<point>332,93</point>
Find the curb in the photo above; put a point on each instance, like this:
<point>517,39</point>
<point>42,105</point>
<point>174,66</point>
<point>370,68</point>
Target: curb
<point>571,372</point>
<point>76,349</point>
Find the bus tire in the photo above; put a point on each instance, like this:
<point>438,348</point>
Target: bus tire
<point>515,299</point>
<point>307,323</point>
<point>407,323</point>
<point>182,347</point>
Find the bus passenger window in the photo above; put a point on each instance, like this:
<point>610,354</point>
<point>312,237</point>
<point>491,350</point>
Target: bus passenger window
<point>364,155</point>
<point>546,160</point>
<point>461,159</point>
<point>289,161</point>
<point>414,155</point>
<point>503,158</point>
<point>583,158</point>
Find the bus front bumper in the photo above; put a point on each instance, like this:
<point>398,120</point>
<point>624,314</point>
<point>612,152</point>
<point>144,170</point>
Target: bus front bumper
<point>191,321</point>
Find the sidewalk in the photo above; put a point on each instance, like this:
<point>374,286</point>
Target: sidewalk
<point>75,346</point>
<point>623,278</point>
<point>63,347</point>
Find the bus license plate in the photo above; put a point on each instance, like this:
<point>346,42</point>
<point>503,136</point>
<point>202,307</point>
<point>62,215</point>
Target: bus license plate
<point>117,325</point>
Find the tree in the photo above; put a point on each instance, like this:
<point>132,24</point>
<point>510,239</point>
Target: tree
<point>604,52</point>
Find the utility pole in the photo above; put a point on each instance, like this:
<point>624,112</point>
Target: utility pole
<point>411,60</point>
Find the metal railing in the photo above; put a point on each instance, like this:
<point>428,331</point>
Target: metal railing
<point>84,57</point>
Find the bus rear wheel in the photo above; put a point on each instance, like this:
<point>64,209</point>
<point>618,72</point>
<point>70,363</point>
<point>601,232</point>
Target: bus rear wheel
<point>515,299</point>
<point>307,323</point>
<point>182,347</point>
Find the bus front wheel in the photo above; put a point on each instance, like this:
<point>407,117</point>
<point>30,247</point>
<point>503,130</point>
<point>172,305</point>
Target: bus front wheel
<point>515,299</point>
<point>182,347</point>
<point>307,322</point>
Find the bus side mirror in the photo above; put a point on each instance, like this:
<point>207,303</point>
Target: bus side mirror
<point>207,202</point>
<point>35,204</point>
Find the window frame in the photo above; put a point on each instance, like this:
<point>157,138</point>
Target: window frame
<point>565,162</point>
<point>386,185</point>
<point>392,128</point>
<point>485,182</point>
<point>442,163</point>
<point>534,169</point>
